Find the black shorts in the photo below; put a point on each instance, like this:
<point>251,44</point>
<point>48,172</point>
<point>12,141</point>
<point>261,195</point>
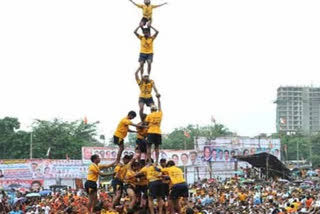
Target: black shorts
<point>118,141</point>
<point>154,139</point>
<point>145,20</point>
<point>145,57</point>
<point>179,190</point>
<point>142,190</point>
<point>90,186</point>
<point>165,189</point>
<point>141,145</point>
<point>148,101</point>
<point>117,185</point>
<point>155,189</point>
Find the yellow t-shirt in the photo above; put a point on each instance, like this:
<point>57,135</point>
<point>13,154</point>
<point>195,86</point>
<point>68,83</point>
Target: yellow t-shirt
<point>121,171</point>
<point>154,122</point>
<point>243,196</point>
<point>129,177</point>
<point>175,174</point>
<point>146,44</point>
<point>147,10</point>
<point>93,172</point>
<point>123,128</point>
<point>145,88</point>
<point>142,181</point>
<point>142,133</point>
<point>151,173</point>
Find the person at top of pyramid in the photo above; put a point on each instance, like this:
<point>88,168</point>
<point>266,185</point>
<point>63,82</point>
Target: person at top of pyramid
<point>146,49</point>
<point>146,11</point>
<point>146,85</point>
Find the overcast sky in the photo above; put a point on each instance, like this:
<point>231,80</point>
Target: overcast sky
<point>76,58</point>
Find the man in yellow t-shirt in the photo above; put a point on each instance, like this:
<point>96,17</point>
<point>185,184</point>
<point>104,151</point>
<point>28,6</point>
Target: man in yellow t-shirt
<point>92,178</point>
<point>122,131</point>
<point>154,131</point>
<point>178,185</point>
<point>153,175</point>
<point>147,11</point>
<point>117,182</point>
<point>146,50</point>
<point>145,98</point>
<point>141,138</point>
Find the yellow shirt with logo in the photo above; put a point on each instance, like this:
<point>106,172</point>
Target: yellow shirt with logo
<point>146,44</point>
<point>175,174</point>
<point>147,10</point>
<point>93,172</point>
<point>151,173</point>
<point>145,88</point>
<point>123,128</point>
<point>154,121</point>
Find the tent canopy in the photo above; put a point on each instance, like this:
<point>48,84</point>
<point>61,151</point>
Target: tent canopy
<point>267,163</point>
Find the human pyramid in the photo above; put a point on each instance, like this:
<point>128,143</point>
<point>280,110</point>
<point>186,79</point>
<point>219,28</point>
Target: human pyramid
<point>142,180</point>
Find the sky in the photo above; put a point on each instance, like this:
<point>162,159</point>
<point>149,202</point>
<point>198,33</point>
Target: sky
<point>75,58</point>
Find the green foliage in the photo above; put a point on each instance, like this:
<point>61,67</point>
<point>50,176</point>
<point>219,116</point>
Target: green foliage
<point>62,137</point>
<point>301,147</point>
<point>177,140</point>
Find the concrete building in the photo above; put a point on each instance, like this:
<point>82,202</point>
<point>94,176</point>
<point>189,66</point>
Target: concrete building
<point>298,109</point>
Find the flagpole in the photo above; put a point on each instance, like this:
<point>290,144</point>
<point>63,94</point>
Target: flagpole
<point>31,144</point>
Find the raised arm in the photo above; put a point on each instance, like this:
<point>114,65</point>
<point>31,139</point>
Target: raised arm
<point>156,90</point>
<point>107,165</point>
<point>136,32</point>
<point>137,75</point>
<point>134,3</point>
<point>160,5</point>
<point>156,32</point>
<point>159,103</point>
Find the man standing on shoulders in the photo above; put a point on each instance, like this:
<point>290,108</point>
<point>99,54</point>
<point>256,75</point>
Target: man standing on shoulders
<point>146,85</point>
<point>154,131</point>
<point>146,50</point>
<point>122,131</point>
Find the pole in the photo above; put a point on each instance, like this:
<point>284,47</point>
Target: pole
<point>298,158</point>
<point>184,166</point>
<point>267,166</point>
<point>31,145</point>
<point>310,146</point>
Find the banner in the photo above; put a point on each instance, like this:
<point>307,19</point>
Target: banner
<point>109,155</point>
<point>223,149</point>
<point>42,169</point>
<point>34,185</point>
<point>106,154</point>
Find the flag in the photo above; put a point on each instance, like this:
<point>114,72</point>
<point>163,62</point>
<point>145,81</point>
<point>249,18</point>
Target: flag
<point>283,120</point>
<point>48,152</point>
<point>213,120</point>
<point>187,134</point>
<point>85,120</point>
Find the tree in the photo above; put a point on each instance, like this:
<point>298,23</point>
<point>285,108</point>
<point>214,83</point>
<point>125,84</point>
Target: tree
<point>63,138</point>
<point>12,142</point>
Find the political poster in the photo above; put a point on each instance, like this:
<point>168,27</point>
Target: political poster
<point>223,149</point>
<point>33,185</point>
<point>42,169</point>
